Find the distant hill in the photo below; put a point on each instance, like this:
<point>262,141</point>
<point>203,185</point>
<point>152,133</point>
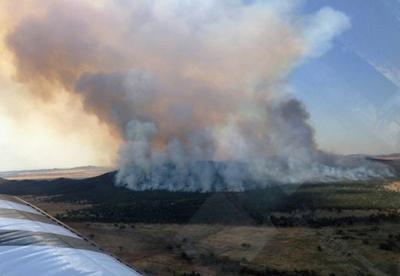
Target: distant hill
<point>74,173</point>
<point>106,202</point>
<point>392,160</point>
<point>389,157</point>
<point>112,203</point>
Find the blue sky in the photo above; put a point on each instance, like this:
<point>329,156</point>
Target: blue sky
<point>352,91</point>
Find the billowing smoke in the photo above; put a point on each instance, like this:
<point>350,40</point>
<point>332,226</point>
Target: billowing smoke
<point>197,90</point>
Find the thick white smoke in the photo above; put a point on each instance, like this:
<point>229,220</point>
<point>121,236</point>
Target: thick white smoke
<point>198,89</point>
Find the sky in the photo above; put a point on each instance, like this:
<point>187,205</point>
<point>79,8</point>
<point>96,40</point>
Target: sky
<point>351,90</point>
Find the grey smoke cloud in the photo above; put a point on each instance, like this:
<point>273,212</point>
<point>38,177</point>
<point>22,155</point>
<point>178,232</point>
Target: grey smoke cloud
<point>197,89</point>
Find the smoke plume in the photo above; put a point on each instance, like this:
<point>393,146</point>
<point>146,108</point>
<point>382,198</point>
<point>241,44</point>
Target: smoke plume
<point>197,90</point>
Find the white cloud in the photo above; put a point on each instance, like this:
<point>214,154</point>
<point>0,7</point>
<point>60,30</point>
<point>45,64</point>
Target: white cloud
<point>322,27</point>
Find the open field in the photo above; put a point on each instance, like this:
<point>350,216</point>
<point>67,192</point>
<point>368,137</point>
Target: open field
<point>315,229</point>
<point>217,249</point>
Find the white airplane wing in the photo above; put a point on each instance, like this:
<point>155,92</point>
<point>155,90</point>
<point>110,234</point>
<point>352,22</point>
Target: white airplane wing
<point>34,243</point>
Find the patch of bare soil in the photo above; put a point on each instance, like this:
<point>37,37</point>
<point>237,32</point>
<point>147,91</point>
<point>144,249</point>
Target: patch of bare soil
<point>393,186</point>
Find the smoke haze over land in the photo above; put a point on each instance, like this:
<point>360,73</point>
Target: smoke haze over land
<point>196,90</point>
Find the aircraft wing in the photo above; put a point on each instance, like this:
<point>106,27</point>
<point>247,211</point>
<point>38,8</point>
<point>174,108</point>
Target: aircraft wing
<point>34,243</point>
